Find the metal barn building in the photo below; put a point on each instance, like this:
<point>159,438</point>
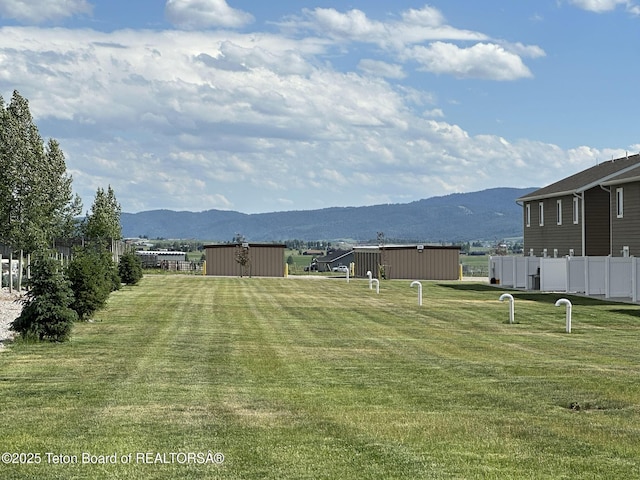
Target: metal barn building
<point>411,262</point>
<point>155,258</point>
<point>260,260</point>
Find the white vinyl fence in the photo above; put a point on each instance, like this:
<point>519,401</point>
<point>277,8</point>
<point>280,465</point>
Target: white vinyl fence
<point>610,277</point>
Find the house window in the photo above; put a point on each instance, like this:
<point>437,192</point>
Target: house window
<point>619,202</point>
<point>541,213</point>
<point>559,212</point>
<point>576,210</point>
<point>528,214</point>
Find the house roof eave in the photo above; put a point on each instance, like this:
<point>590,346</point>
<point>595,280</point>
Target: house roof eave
<point>620,181</point>
<point>572,185</point>
<point>533,198</point>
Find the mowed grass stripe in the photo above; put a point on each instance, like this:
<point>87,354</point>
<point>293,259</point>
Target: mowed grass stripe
<point>296,378</point>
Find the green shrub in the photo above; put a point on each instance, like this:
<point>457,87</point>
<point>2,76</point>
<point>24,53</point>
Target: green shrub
<point>46,312</point>
<point>112,271</point>
<point>93,277</point>
<point>130,268</point>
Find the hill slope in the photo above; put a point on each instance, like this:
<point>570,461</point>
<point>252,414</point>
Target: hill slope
<point>488,214</point>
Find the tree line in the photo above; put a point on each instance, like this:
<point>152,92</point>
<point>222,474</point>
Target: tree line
<point>38,206</point>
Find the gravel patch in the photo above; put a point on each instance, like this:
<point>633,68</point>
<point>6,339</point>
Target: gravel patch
<point>10,309</point>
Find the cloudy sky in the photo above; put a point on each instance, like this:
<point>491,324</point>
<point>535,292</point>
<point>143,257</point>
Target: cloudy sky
<point>262,106</point>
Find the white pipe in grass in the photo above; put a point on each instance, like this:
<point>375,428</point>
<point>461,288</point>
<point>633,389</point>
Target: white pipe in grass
<point>508,296</point>
<point>377,284</point>
<point>415,282</point>
<point>370,276</point>
<point>564,301</point>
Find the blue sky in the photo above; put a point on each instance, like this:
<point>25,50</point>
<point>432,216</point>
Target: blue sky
<point>301,104</point>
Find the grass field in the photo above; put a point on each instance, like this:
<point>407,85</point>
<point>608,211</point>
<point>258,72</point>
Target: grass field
<point>316,378</point>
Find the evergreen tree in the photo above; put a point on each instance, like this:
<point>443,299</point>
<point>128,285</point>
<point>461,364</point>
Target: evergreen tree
<point>46,312</point>
<point>93,277</point>
<point>130,268</point>
<point>92,271</point>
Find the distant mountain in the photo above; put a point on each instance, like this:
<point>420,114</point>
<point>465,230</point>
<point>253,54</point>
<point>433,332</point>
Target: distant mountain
<point>461,217</point>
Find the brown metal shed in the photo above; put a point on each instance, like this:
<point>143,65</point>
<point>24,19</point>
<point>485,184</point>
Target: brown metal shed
<point>263,260</point>
<point>414,262</point>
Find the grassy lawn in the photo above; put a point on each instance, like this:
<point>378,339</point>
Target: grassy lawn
<point>317,378</point>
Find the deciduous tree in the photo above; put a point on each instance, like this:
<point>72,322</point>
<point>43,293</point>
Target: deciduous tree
<point>36,199</point>
<point>103,222</point>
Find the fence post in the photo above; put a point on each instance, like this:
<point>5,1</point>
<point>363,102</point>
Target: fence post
<point>11,271</point>
<point>607,272</point>
<point>634,279</point>
<point>586,276</point>
<point>20,266</point>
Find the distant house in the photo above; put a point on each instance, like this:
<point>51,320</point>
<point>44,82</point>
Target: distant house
<point>595,212</point>
<point>334,259</point>
<point>258,259</point>
<point>314,253</point>
<point>415,262</point>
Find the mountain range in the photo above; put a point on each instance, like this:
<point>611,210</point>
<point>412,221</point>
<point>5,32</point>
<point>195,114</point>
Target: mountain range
<point>485,215</point>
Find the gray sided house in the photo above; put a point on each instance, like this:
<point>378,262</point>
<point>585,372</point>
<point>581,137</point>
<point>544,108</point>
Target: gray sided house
<point>411,262</point>
<point>595,212</point>
<point>625,213</point>
<point>248,259</point>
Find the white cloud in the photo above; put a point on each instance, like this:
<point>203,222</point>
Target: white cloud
<point>195,14</point>
<point>531,51</point>
<point>353,25</point>
<point>382,69</point>
<point>426,17</point>
<point>417,26</point>
<point>483,60</point>
<point>600,6</point>
<point>410,37</point>
<point>40,11</point>
<point>434,113</point>
<point>197,120</point>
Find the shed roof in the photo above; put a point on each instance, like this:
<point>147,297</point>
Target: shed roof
<point>251,244</point>
<point>159,252</point>
<point>412,246</point>
<point>589,178</point>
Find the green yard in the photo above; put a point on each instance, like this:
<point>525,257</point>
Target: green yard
<point>318,378</point>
